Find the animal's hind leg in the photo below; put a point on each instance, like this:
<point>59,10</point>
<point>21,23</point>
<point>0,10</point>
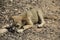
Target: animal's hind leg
<point>41,17</point>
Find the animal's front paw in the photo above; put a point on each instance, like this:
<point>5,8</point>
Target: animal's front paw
<point>3,31</point>
<point>20,30</point>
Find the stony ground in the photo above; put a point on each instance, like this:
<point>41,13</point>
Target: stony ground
<point>51,29</point>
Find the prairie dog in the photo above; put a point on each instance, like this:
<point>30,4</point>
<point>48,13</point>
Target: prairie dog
<point>32,17</point>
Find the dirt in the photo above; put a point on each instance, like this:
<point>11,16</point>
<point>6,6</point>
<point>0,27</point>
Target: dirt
<point>51,29</point>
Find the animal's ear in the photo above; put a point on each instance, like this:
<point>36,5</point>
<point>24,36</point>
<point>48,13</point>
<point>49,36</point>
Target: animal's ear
<point>31,8</point>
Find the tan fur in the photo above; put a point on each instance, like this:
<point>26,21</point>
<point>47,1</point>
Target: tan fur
<point>31,17</point>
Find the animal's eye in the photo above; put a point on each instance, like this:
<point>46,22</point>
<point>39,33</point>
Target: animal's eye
<point>30,8</point>
<point>19,13</point>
